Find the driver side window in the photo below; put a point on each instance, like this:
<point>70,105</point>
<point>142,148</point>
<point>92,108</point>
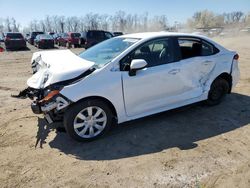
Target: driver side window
<point>155,53</point>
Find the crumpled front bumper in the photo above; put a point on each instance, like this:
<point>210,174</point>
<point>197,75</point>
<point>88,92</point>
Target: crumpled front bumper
<point>36,108</point>
<point>52,110</point>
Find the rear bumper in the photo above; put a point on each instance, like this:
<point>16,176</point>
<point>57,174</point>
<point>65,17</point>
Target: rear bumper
<point>235,74</point>
<point>15,45</point>
<point>46,45</point>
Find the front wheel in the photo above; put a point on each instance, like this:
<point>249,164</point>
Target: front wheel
<point>218,90</point>
<point>88,120</point>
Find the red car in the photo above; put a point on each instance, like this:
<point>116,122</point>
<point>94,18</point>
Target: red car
<point>69,39</point>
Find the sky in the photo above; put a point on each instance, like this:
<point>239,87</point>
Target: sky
<point>176,10</point>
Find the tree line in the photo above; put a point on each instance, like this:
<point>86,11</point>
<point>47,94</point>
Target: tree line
<point>121,21</point>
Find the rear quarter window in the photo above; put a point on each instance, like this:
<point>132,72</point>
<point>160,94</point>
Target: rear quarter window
<point>208,49</point>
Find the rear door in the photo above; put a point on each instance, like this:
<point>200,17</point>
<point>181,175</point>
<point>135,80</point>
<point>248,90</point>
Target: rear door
<point>197,59</point>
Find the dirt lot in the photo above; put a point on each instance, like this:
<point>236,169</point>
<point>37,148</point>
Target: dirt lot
<point>195,146</point>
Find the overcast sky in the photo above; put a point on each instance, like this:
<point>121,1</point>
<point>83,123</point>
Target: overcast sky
<point>176,10</point>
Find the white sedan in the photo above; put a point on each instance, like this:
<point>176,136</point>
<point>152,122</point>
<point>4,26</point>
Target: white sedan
<point>129,77</point>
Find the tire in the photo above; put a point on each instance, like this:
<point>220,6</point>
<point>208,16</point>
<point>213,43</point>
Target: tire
<point>218,90</point>
<point>79,114</point>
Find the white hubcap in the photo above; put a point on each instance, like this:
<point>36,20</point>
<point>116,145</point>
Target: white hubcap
<point>90,122</point>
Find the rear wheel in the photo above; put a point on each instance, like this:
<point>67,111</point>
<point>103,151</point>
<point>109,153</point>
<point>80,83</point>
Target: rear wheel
<point>88,120</point>
<point>218,90</point>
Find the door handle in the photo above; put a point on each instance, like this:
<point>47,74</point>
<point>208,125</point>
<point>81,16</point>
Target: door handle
<point>174,71</point>
<point>207,62</point>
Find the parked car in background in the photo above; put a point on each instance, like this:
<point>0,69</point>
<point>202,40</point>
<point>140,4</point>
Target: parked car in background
<point>245,30</point>
<point>129,77</point>
<point>14,41</point>
<point>93,37</point>
<point>27,36</point>
<point>44,41</point>
<point>69,39</point>
<point>55,37</point>
<point>33,36</point>
<point>51,33</point>
<point>83,38</point>
<point>1,39</point>
<point>117,34</point>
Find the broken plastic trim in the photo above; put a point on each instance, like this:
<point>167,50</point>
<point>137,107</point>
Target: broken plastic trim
<point>27,93</point>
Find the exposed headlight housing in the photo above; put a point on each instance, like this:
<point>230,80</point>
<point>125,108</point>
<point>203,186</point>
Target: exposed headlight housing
<point>50,92</point>
<point>50,95</point>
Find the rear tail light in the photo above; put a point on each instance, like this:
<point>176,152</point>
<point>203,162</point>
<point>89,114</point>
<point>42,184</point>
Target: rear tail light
<point>7,38</point>
<point>42,40</point>
<point>1,49</point>
<point>236,56</point>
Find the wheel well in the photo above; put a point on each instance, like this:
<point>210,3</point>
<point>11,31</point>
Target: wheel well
<point>103,99</point>
<point>228,78</point>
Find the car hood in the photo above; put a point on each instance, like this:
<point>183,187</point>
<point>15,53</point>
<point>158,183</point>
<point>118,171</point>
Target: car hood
<point>54,66</point>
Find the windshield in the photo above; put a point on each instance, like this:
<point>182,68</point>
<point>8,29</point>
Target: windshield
<point>104,52</point>
<point>44,36</point>
<point>14,35</point>
<point>75,35</point>
<point>34,34</point>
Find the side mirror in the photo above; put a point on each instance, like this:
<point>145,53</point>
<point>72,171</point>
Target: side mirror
<point>137,64</point>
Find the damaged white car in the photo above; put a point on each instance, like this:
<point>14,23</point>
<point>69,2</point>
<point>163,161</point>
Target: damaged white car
<point>128,77</point>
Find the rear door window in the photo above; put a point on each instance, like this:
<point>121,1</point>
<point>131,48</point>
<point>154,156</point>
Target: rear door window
<point>194,47</point>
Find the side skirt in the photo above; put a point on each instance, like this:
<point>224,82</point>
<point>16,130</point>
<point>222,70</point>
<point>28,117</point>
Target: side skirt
<point>169,107</point>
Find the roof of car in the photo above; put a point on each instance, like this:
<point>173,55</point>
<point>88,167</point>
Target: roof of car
<point>148,35</point>
<point>13,33</point>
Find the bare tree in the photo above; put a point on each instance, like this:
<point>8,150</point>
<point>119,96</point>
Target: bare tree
<point>8,24</point>
<point>42,26</point>
<point>74,23</point>
<point>206,19</point>
<point>1,26</point>
<point>104,22</point>
<point>61,22</point>
<point>92,21</point>
<point>15,26</point>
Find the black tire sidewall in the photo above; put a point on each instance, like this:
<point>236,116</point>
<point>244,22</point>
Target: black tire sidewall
<point>71,113</point>
<point>218,84</point>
